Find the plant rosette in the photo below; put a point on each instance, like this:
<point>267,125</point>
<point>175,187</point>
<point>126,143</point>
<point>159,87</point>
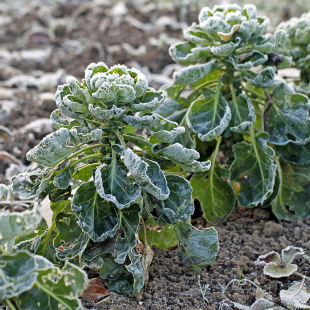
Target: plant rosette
<point>277,266</point>
<point>234,108</point>
<point>105,180</point>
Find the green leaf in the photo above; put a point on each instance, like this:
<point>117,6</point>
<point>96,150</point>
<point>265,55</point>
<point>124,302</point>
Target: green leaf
<point>293,201</point>
<point>62,180</point>
<point>17,273</point>
<point>209,116</point>
<point>178,207</point>
<point>59,122</point>
<point>196,35</point>
<point>264,45</point>
<point>141,121</point>
<point>198,248</point>
<point>43,245</point>
<point>55,289</point>
<point>162,237</point>
<point>70,241</point>
<point>84,173</point>
<point>298,154</point>
<point>188,53</point>
<point>194,73</point>
<point>286,119</point>
<point>31,183</point>
<point>125,239</point>
<point>165,130</point>
<point>113,185</point>
<point>121,280</point>
<point>224,50</point>
<point>242,113</point>
<point>68,104</point>
<point>96,217</point>
<point>147,174</point>
<point>77,90</point>
<point>53,148</point>
<point>263,78</point>
<point>253,59</point>
<point>84,135</point>
<point>99,113</point>
<point>253,171</point>
<point>183,157</point>
<point>4,189</point>
<point>150,101</point>
<point>14,224</point>
<point>217,198</point>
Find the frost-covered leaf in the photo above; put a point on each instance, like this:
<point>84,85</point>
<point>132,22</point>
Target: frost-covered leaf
<point>84,135</point>
<point>183,157</point>
<point>99,113</point>
<point>17,273</point>
<point>296,296</point>
<point>125,240</point>
<point>178,206</point>
<point>97,217</point>
<point>194,73</point>
<point>141,121</point>
<point>271,257</point>
<point>147,173</point>
<point>70,105</point>
<point>70,241</point>
<point>253,171</point>
<point>242,113</point>
<point>4,189</point>
<point>125,279</point>
<point>295,153</point>
<point>198,248</point>
<point>287,119</point>
<point>113,185</point>
<point>188,53</point>
<point>217,198</point>
<point>292,201</point>
<point>162,237</point>
<point>264,45</point>
<point>224,50</point>
<point>165,130</point>
<point>196,35</point>
<point>289,253</point>
<point>15,224</point>
<point>150,101</point>
<point>264,78</point>
<point>276,271</point>
<point>53,148</point>
<point>77,90</point>
<point>253,59</point>
<point>55,288</point>
<point>31,183</point>
<point>62,180</point>
<point>209,116</point>
<point>60,122</point>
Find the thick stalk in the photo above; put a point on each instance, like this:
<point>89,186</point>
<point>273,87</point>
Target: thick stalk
<point>8,302</point>
<point>96,156</point>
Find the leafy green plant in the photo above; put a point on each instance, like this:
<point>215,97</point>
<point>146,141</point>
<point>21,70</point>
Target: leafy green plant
<point>298,30</point>
<point>104,180</point>
<point>230,100</point>
<point>29,281</point>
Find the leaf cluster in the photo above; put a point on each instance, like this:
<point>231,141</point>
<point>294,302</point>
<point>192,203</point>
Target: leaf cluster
<point>112,164</point>
<point>230,100</point>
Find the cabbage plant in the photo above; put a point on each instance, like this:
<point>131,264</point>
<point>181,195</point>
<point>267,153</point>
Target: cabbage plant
<point>230,100</point>
<point>112,164</point>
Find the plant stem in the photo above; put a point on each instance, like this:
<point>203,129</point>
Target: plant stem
<point>301,275</point>
<point>8,302</point>
<point>96,155</point>
<point>144,229</point>
<point>84,149</point>
<point>121,138</point>
<point>138,139</point>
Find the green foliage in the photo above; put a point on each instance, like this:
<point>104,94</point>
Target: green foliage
<point>103,181</point>
<point>259,123</point>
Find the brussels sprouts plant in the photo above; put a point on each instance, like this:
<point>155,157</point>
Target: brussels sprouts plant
<point>230,100</point>
<point>111,165</point>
